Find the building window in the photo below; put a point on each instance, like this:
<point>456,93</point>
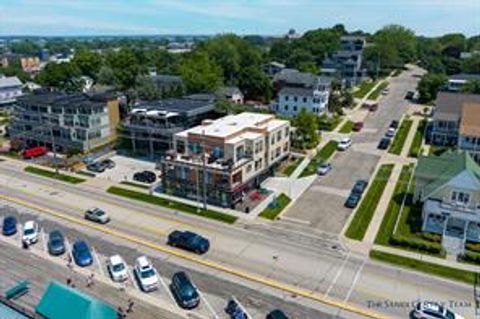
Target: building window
<point>304,100</point>
<point>460,197</point>
<point>295,108</point>
<point>287,131</point>
<point>295,99</point>
<point>286,107</point>
<point>286,97</point>
<point>249,168</point>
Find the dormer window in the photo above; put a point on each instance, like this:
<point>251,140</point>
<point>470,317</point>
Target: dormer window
<point>460,197</point>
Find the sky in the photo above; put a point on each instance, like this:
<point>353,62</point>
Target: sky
<point>268,17</point>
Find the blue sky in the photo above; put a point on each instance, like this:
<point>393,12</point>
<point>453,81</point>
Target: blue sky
<point>90,17</point>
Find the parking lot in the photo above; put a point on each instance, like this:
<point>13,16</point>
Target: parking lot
<point>125,167</point>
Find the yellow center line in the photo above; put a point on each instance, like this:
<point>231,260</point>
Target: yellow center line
<point>192,258</point>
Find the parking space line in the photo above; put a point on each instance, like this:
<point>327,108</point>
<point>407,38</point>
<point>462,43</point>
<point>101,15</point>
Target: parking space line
<point>19,234</point>
<point>337,275</point>
<point>132,278</point>
<point>164,284</point>
<point>69,250</point>
<point>45,248</point>
<point>97,261</point>
<point>209,306</point>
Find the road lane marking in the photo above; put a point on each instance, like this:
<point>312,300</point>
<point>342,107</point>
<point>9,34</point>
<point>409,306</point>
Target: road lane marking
<point>204,262</point>
<point>354,283</point>
<point>337,275</point>
<point>165,286</point>
<point>209,306</point>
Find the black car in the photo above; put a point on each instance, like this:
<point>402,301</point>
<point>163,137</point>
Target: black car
<point>145,177</point>
<point>56,243</point>
<point>108,163</point>
<point>384,143</point>
<point>97,167</point>
<point>184,291</point>
<point>409,95</point>
<point>359,186</point>
<point>394,124</point>
<point>189,241</point>
<point>277,314</point>
<point>352,200</point>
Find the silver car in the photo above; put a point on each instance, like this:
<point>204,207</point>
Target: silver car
<point>97,215</point>
<point>432,310</point>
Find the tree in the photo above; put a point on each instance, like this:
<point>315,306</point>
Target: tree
<point>472,65</point>
<point>429,86</point>
<point>15,70</point>
<point>146,89</point>
<point>200,73</point>
<point>64,76</point>
<point>125,68</point>
<point>255,84</point>
<point>472,87</point>
<point>306,135</point>
<point>106,76</point>
<point>88,63</point>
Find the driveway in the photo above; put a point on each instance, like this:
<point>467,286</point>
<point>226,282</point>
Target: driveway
<point>321,206</point>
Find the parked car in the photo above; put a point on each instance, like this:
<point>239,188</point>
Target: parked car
<point>146,275</point>
<point>82,254</point>
<point>373,107</point>
<point>97,215</point>
<point>9,226</point>
<point>344,144</point>
<point>409,95</point>
<point>352,200</point>
<point>30,232</point>
<point>359,186</point>
<point>234,310</point>
<point>56,243</point>
<point>358,126</point>
<point>385,91</point>
<point>431,310</point>
<point>108,163</point>
<point>96,167</point>
<point>277,314</point>
<point>324,168</point>
<point>145,177</point>
<point>184,291</point>
<point>390,132</point>
<point>189,241</point>
<point>394,124</point>
<point>117,268</point>
<point>384,143</point>
<point>34,152</point>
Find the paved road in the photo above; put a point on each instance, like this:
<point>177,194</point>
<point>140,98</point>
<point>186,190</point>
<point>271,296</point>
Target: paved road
<point>310,261</point>
<point>321,206</point>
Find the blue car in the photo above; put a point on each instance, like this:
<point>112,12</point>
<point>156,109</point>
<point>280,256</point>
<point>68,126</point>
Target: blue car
<point>82,254</point>
<point>56,243</point>
<point>9,227</point>
<point>189,241</point>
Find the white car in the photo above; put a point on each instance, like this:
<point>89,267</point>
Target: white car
<point>344,144</point>
<point>432,310</point>
<point>324,168</point>
<point>97,215</point>
<point>391,132</point>
<point>30,232</point>
<point>146,275</point>
<point>117,268</point>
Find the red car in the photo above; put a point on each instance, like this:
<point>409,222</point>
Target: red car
<point>357,126</point>
<point>35,152</point>
<point>373,107</point>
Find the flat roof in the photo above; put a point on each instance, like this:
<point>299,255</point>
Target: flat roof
<point>189,105</point>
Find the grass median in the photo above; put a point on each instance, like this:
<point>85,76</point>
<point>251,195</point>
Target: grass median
<point>292,166</point>
<point>400,137</point>
<point>272,212</point>
<point>416,147</point>
<point>134,184</point>
<point>52,174</point>
<point>425,267</point>
<point>155,200</point>
<point>364,88</point>
<point>364,214</point>
<point>323,155</point>
<point>375,94</point>
<point>347,127</point>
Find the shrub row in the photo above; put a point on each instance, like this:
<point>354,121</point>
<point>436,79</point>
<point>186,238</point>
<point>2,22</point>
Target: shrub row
<point>416,244</point>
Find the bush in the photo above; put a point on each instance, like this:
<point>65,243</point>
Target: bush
<point>416,244</point>
<point>471,257</point>
<point>473,247</point>
<point>272,212</point>
<point>326,123</point>
<point>434,238</point>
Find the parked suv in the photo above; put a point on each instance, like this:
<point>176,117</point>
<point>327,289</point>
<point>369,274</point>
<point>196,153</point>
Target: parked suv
<point>145,177</point>
<point>56,243</point>
<point>146,275</point>
<point>97,167</point>
<point>9,226</point>
<point>189,241</point>
<point>82,254</point>
<point>30,233</point>
<point>344,144</point>
<point>277,314</point>
<point>359,186</point>
<point>117,268</point>
<point>184,291</point>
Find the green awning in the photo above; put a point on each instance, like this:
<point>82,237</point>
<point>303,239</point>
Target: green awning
<point>60,302</point>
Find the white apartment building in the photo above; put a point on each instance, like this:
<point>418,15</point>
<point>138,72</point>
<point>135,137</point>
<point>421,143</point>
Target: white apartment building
<point>291,100</point>
<point>10,89</point>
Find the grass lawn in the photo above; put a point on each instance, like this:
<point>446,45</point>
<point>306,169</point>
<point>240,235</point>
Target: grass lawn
<point>388,224</point>
<point>291,166</point>
<point>364,88</point>
<point>416,146</point>
<point>375,94</point>
<point>189,209</point>
<point>134,184</point>
<point>329,124</point>
<point>347,127</point>
<point>323,155</point>
<point>439,150</point>
<point>425,267</point>
<point>51,174</point>
<point>272,213</point>
<point>357,228</point>
<point>84,173</point>
<point>400,137</point>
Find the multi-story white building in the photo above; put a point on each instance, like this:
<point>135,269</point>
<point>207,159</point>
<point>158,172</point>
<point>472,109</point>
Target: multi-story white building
<point>291,100</point>
<point>230,156</point>
<point>10,90</point>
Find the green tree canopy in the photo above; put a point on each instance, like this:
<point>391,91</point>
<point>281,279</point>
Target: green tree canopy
<point>200,73</point>
<point>429,85</point>
<point>255,84</point>
<point>306,135</point>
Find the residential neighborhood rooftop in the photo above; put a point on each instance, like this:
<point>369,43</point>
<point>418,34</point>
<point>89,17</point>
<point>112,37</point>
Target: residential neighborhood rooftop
<point>470,121</point>
<point>9,81</point>
<point>192,104</point>
<point>449,105</point>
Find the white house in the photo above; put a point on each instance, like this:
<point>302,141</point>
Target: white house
<point>10,89</point>
<point>291,100</point>
<point>232,94</point>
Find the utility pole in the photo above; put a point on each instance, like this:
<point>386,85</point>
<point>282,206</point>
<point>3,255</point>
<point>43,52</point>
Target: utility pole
<point>204,173</point>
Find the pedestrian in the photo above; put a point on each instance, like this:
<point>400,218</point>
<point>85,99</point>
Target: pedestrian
<point>90,280</point>
<point>120,313</point>
<point>69,282</point>
<point>131,303</point>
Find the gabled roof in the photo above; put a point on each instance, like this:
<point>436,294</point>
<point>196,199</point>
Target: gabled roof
<point>470,121</point>
<point>60,302</point>
<point>448,105</point>
<point>11,81</point>
<point>229,91</point>
<point>439,170</point>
